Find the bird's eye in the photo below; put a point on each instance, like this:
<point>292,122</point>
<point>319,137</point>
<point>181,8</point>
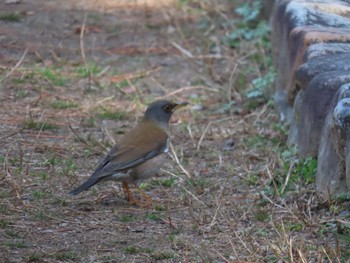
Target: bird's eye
<point>167,108</point>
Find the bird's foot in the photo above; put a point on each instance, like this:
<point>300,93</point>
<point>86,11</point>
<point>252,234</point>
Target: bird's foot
<point>133,201</point>
<point>147,200</point>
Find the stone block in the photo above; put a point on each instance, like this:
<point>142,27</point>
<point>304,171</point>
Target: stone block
<point>295,121</point>
<point>288,15</point>
<point>295,26</point>
<point>315,103</point>
<point>300,39</point>
<point>325,49</point>
<point>311,51</point>
<point>330,178</point>
<point>318,65</point>
<point>347,164</point>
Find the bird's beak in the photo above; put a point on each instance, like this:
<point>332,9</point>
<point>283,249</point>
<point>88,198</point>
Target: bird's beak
<point>179,105</point>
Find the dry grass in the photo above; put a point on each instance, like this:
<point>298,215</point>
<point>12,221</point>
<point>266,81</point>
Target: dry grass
<point>231,192</point>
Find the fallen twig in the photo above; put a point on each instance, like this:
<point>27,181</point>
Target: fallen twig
<point>16,66</point>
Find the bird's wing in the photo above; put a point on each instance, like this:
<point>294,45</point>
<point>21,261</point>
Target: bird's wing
<point>142,143</point>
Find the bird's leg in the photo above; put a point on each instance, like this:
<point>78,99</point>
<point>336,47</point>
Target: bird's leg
<point>125,191</point>
<point>148,200</point>
<point>128,194</point>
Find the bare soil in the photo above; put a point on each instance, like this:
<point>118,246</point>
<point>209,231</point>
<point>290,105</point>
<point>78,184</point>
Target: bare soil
<point>75,75</point>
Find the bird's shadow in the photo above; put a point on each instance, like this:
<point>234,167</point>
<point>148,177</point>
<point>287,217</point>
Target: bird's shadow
<point>102,200</point>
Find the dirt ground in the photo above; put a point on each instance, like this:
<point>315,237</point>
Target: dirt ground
<point>75,75</point>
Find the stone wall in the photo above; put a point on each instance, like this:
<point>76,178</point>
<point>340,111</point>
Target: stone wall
<point>311,52</point>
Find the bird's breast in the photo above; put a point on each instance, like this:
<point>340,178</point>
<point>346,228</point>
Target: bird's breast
<point>148,168</point>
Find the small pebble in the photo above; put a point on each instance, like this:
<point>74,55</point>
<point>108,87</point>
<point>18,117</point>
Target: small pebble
<point>229,144</point>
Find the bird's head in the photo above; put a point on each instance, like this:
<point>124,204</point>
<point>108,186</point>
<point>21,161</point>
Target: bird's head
<point>160,111</point>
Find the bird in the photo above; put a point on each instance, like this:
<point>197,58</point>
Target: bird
<point>139,154</point>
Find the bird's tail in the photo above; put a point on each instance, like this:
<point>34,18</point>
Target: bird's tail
<point>86,185</point>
